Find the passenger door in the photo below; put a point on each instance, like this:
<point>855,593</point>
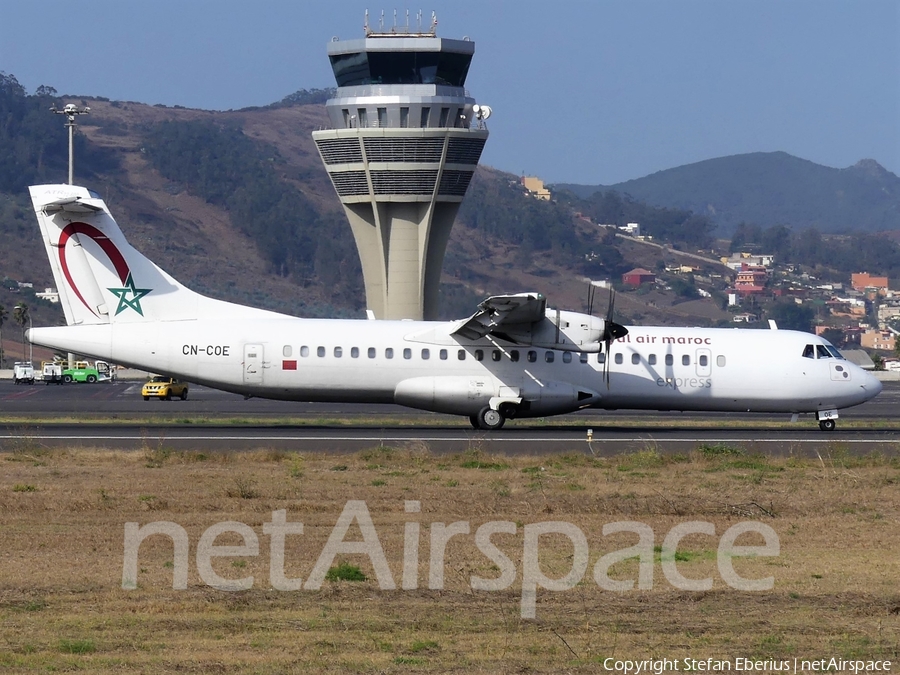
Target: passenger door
<point>253,364</point>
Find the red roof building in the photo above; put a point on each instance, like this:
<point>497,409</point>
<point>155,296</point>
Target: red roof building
<point>638,276</point>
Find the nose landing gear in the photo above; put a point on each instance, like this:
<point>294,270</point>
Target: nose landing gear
<point>827,419</point>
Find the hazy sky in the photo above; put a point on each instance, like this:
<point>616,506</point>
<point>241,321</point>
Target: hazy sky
<point>586,92</point>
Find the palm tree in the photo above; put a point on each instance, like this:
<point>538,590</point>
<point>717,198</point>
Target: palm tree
<point>3,315</point>
<point>21,317</point>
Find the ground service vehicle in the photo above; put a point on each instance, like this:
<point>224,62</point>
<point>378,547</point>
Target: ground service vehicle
<point>52,372</point>
<point>163,387</point>
<point>83,371</point>
<point>23,372</point>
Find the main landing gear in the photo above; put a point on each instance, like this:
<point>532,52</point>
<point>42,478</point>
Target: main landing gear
<point>489,419</point>
<point>826,425</point>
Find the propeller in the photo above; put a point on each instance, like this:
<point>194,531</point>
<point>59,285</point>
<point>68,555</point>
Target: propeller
<point>611,331</point>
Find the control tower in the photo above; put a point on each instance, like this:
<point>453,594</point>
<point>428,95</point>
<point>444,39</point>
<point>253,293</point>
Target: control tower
<point>404,144</point>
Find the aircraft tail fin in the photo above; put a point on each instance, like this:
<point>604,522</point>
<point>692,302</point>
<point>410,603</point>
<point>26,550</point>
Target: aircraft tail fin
<point>101,278</point>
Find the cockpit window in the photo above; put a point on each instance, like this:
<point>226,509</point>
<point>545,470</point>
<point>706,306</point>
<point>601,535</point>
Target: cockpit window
<point>823,352</point>
<point>809,352</point>
<point>834,352</point>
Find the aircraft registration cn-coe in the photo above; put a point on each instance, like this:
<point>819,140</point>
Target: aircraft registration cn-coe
<point>513,358</point>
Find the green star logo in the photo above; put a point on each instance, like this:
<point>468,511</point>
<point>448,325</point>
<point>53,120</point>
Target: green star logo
<point>136,295</point>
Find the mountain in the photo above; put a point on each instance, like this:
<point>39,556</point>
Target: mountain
<point>238,206</point>
<point>772,188</point>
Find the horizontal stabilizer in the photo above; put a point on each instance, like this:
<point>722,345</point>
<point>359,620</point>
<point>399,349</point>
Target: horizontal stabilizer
<point>70,205</point>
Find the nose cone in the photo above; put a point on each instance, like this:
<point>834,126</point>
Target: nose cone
<point>872,385</point>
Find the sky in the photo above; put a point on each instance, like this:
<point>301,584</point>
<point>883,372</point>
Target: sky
<point>591,92</point>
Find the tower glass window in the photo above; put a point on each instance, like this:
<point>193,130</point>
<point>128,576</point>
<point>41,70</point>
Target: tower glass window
<point>405,67</point>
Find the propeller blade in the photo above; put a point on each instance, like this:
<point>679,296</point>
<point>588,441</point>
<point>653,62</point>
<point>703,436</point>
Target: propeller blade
<point>612,331</point>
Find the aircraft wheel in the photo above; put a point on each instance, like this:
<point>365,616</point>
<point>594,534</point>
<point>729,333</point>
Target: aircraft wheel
<point>826,425</point>
<point>473,420</point>
<point>490,419</point>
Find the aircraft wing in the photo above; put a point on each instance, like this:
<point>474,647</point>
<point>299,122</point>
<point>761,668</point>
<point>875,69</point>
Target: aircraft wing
<point>502,310</point>
<point>70,205</point>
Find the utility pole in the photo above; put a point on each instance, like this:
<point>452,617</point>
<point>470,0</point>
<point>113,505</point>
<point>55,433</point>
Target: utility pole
<point>71,111</point>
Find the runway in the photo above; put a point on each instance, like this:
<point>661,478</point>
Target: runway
<point>115,416</point>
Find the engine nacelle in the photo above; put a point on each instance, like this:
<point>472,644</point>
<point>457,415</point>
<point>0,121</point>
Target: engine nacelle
<point>571,331</point>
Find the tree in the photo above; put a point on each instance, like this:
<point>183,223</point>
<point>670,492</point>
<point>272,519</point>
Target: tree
<point>791,316</point>
<point>3,315</point>
<point>22,317</point>
<point>834,335</point>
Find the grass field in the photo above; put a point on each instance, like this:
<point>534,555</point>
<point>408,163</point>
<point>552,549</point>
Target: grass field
<point>836,589</point>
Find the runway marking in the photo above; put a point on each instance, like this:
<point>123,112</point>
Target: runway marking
<point>554,439</point>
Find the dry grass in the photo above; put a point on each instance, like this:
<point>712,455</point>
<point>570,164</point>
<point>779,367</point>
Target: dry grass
<point>62,517</point>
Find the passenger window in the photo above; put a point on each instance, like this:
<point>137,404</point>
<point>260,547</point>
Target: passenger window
<point>548,357</point>
<point>531,356</point>
<point>287,351</point>
<point>338,352</point>
<point>704,360</point>
<point>601,358</point>
<point>461,354</point>
<point>809,352</point>
<point>823,352</point>
<point>635,359</point>
<point>567,357</point>
<point>670,359</point>
<point>354,352</point>
<point>583,357</point>
<point>407,353</point>
<point>495,355</point>
<point>479,355</point>
<point>651,359</point>
<point>720,361</point>
<point>371,352</point>
<point>685,360</point>
<point>320,351</point>
<point>426,354</point>
<point>389,353</point>
<point>443,355</point>
<point>619,359</point>
<point>514,355</point>
<point>304,351</point>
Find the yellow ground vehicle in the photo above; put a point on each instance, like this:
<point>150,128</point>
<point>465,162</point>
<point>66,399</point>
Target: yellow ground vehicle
<point>160,386</point>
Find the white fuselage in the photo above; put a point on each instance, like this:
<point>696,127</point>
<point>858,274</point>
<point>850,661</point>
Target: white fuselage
<point>422,365</point>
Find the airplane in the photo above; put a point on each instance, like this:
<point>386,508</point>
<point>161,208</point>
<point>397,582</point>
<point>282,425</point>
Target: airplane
<point>513,358</point>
